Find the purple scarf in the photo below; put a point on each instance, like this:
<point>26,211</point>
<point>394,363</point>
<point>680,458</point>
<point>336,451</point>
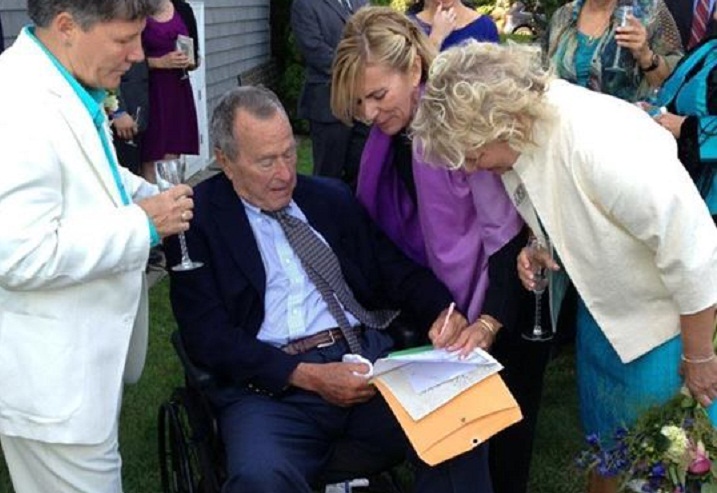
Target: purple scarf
<point>463,219</point>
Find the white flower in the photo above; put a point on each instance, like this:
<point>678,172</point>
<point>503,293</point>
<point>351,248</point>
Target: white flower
<point>678,443</point>
<point>111,103</point>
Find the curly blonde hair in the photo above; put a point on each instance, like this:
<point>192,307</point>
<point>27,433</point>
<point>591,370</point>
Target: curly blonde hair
<point>479,93</point>
<point>374,35</point>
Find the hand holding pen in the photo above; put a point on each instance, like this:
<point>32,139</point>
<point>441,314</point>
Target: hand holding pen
<point>447,327</point>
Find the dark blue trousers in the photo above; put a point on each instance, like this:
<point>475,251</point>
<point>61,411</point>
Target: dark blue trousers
<point>283,444</point>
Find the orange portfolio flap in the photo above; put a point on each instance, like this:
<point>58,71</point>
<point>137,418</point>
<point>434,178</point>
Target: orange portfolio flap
<point>467,420</point>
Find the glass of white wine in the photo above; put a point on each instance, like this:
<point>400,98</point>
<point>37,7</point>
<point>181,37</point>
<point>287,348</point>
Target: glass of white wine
<point>537,249</point>
<point>170,172</point>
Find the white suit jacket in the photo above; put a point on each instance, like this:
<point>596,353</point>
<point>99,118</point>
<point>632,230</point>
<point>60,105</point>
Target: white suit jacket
<point>628,224</point>
<point>72,260</point>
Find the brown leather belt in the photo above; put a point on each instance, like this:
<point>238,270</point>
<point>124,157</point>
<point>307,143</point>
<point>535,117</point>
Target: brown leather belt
<point>325,338</point>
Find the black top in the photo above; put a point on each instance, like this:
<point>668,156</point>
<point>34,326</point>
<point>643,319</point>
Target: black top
<point>403,162</point>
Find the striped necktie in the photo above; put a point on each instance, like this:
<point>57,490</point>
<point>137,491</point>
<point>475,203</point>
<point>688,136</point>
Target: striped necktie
<point>699,22</point>
<point>323,268</point>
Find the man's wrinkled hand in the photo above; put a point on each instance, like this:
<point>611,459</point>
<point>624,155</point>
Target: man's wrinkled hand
<point>335,382</point>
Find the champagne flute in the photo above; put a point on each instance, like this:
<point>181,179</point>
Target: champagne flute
<point>170,172</point>
<point>537,248</point>
<point>137,114</point>
<point>622,11</point>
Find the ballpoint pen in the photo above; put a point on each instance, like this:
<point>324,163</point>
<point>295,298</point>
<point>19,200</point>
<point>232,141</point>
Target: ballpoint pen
<point>451,307</point>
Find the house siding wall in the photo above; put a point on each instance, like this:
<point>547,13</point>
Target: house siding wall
<point>14,17</point>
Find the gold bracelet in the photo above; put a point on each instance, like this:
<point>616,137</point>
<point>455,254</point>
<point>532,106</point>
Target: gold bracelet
<point>698,361</point>
<point>486,326</point>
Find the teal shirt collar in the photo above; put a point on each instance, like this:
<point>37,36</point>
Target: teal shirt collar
<point>92,99</point>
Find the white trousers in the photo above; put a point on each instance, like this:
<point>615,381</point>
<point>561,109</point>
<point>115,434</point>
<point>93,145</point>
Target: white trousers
<point>39,467</point>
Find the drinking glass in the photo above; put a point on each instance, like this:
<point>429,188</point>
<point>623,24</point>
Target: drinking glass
<point>538,248</point>
<point>623,10</point>
<point>137,115</point>
<point>170,172</point>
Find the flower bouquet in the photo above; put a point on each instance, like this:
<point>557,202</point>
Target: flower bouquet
<point>670,449</point>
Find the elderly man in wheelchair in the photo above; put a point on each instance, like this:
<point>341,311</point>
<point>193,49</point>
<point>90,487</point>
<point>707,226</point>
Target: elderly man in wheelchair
<point>295,278</point>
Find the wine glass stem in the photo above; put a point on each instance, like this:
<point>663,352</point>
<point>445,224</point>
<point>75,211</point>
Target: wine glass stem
<point>537,326</point>
<point>185,253</point>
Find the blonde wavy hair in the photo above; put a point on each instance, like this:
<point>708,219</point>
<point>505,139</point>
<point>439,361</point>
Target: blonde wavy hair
<point>479,93</point>
<point>374,35</point>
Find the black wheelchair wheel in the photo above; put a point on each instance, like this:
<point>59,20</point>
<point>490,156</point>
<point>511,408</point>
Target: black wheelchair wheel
<point>190,452</point>
<point>177,452</point>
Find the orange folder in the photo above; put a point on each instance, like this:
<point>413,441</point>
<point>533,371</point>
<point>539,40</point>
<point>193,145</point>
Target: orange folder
<point>469,419</point>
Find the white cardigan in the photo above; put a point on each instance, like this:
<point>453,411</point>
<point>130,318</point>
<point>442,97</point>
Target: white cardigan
<point>625,218</point>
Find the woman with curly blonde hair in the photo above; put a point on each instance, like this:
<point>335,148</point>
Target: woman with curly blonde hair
<point>462,226</point>
<point>623,218</point>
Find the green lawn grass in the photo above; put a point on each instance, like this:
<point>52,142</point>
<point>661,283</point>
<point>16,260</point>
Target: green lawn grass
<point>558,436</point>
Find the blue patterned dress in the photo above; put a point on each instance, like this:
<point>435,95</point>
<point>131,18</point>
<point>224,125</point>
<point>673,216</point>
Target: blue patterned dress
<point>562,43</point>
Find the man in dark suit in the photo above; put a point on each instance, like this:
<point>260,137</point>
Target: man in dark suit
<point>256,316</point>
<point>317,26</point>
<point>683,11</point>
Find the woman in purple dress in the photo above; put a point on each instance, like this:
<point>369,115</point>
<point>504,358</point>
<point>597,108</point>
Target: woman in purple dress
<point>172,126</point>
<point>450,22</point>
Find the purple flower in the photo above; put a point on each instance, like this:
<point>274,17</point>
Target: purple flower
<point>593,439</point>
<point>620,433</point>
<point>657,471</point>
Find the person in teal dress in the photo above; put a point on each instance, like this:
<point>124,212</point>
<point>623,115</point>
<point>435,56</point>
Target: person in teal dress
<point>584,35</point>
<point>690,99</point>
<point>623,217</point>
<point>581,43</point>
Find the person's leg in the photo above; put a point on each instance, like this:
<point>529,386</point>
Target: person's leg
<point>330,143</point>
<point>376,436</point>
<point>38,467</point>
<point>511,450</point>
<point>466,473</point>
<point>273,445</point>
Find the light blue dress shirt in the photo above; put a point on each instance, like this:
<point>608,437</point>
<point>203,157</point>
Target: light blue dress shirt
<point>293,307</point>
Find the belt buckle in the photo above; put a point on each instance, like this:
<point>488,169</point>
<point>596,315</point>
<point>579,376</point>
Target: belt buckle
<point>329,343</point>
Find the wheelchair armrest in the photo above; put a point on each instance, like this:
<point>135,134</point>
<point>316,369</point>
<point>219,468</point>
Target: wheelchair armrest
<point>197,377</point>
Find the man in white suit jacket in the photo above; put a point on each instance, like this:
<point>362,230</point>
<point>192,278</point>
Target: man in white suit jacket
<point>75,233</point>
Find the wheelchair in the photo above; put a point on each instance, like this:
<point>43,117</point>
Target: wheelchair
<point>191,452</point>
